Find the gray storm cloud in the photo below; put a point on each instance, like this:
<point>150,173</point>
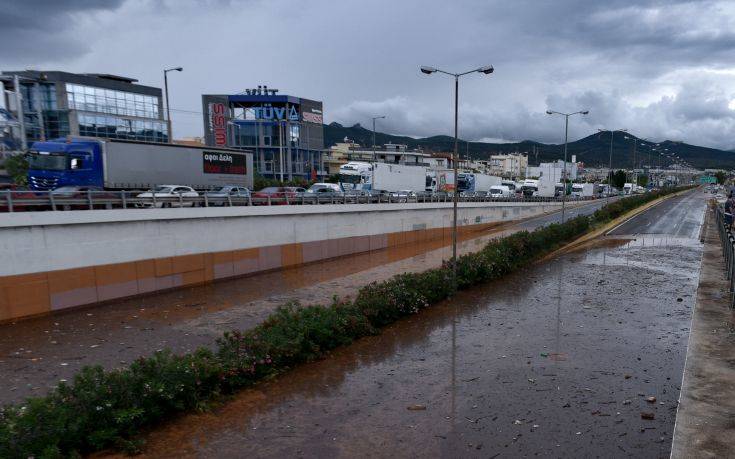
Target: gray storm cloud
<point>660,69</point>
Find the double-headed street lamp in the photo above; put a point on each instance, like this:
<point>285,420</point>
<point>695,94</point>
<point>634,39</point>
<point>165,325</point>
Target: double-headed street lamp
<point>609,166</point>
<point>375,118</point>
<point>168,107</point>
<point>487,70</point>
<point>566,140</point>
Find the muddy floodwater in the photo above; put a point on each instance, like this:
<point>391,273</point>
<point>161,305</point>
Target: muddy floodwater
<point>37,353</point>
<point>579,356</point>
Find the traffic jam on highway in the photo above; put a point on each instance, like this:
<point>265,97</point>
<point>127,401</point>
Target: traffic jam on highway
<point>90,173</point>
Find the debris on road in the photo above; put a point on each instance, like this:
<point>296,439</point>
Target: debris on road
<point>648,415</point>
<point>416,407</point>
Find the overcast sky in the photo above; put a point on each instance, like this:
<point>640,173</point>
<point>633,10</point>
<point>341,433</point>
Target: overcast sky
<point>664,70</point>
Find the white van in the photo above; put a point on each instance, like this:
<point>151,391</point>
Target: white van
<point>501,191</point>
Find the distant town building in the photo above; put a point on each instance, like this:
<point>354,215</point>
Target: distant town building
<point>285,133</point>
<point>57,104</point>
<point>346,151</point>
<point>553,170</point>
<point>508,165</point>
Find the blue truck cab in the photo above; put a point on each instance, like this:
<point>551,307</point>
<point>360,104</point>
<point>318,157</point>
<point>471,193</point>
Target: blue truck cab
<point>65,162</point>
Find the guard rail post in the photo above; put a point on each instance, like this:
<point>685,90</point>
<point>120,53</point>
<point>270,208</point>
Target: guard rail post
<point>51,198</point>
<point>10,200</point>
<point>124,199</point>
<point>89,200</point>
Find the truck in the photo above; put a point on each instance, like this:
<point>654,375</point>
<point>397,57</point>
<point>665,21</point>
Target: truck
<point>546,189</point>
<point>440,180</point>
<point>381,177</point>
<point>629,188</point>
<point>529,187</point>
<point>583,190</point>
<point>115,164</point>
<point>470,182</point>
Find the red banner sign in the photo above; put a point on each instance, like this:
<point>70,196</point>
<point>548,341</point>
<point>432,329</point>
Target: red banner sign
<point>218,123</point>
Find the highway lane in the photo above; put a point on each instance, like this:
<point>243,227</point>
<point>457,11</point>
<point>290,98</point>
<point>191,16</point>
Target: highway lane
<point>554,361</point>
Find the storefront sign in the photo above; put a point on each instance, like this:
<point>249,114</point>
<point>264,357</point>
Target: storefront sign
<point>312,117</point>
<point>269,112</point>
<point>218,123</point>
<point>223,163</point>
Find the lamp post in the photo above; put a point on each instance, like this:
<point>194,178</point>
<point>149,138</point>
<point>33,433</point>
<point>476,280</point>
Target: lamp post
<point>609,166</point>
<point>566,140</point>
<point>168,107</point>
<point>375,118</point>
<point>487,70</point>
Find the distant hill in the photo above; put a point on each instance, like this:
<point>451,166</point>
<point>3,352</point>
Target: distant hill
<point>593,150</point>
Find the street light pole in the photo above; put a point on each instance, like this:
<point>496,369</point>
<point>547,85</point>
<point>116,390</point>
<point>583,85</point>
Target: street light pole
<point>168,107</point>
<point>375,118</point>
<point>487,70</point>
<point>566,141</point>
<point>609,166</point>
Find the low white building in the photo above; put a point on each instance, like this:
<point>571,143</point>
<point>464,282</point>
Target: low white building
<point>553,170</point>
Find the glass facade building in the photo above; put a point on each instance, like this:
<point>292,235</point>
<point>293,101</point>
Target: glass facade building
<point>285,133</point>
<point>57,104</point>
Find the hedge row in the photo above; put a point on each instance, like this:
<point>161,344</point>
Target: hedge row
<point>101,409</point>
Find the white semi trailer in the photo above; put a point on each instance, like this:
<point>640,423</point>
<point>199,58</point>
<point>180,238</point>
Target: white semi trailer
<point>375,177</point>
<point>583,190</point>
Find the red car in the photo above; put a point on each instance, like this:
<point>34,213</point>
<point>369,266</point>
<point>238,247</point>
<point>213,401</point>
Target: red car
<point>17,196</point>
<point>279,195</point>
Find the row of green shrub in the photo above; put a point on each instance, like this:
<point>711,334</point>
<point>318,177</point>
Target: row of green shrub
<point>102,409</point>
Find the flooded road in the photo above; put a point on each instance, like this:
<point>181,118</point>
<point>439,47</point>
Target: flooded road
<point>557,361</point>
<point>36,353</point>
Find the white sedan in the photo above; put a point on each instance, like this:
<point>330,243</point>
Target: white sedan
<point>169,195</point>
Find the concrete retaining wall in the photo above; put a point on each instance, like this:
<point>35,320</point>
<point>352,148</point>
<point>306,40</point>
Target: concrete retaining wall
<point>56,260</point>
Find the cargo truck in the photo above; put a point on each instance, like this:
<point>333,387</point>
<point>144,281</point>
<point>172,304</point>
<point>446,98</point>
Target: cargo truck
<point>529,187</point>
<point>381,177</point>
<point>470,182</point>
<point>583,190</point>
<point>440,180</point>
<point>546,189</point>
<point>131,165</point>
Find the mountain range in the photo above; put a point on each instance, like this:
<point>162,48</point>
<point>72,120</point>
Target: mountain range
<point>593,150</point>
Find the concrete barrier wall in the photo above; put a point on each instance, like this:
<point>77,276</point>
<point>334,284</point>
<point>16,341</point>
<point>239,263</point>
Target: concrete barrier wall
<point>57,260</point>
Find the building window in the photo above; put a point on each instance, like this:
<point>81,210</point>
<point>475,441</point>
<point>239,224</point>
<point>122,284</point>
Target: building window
<point>91,99</point>
<point>121,128</point>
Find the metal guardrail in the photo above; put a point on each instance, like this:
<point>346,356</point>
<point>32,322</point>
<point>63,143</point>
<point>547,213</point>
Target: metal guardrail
<point>727,239</point>
<point>20,201</point>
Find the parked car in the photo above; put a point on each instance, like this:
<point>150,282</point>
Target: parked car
<point>501,191</point>
<point>220,196</point>
<point>323,192</point>
<point>280,195</point>
<point>82,193</point>
<point>403,195</point>
<point>20,198</point>
<point>169,195</point>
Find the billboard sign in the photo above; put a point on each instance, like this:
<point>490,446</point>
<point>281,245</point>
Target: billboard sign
<point>215,162</point>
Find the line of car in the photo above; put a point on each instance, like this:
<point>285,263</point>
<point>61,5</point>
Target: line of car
<point>164,196</point>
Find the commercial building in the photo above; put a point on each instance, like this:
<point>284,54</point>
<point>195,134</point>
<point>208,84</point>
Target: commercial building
<point>285,133</point>
<point>56,104</point>
<point>554,170</point>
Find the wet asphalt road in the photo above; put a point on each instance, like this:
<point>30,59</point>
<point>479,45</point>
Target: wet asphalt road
<point>36,353</point>
<point>553,361</point>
